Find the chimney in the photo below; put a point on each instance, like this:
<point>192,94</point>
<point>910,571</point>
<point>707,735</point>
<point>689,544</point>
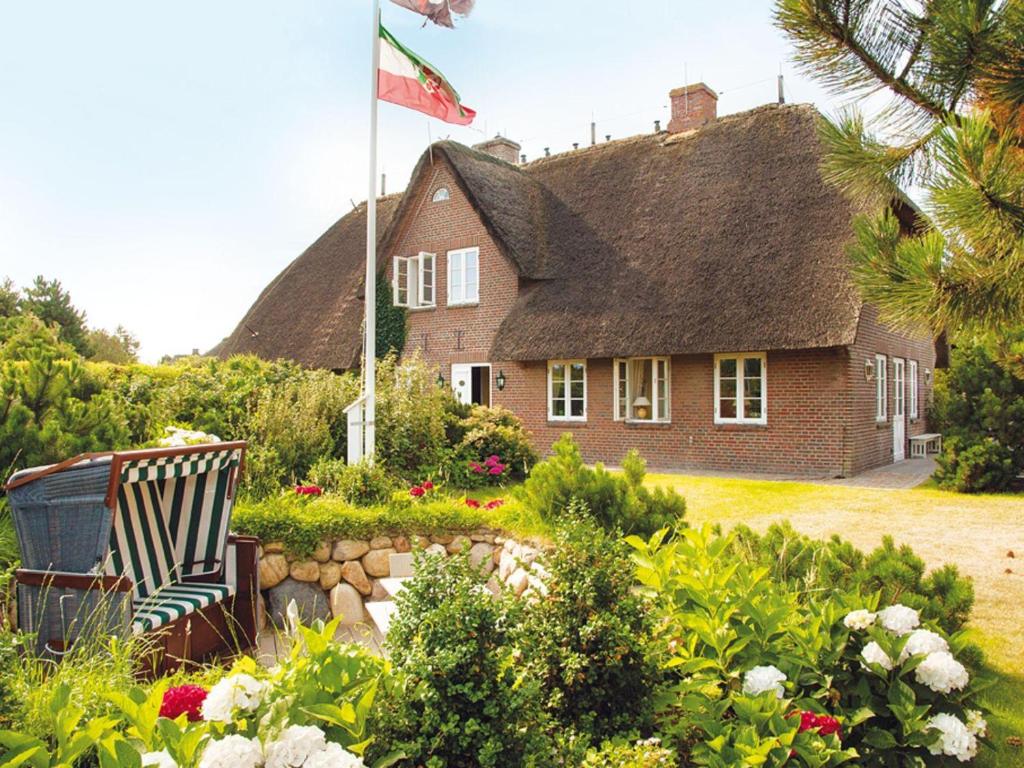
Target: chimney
<point>693,106</point>
<point>501,148</point>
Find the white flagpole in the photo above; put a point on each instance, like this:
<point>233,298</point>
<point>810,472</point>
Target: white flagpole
<point>370,345</point>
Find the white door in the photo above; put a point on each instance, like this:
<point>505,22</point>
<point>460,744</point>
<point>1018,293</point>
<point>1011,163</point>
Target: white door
<point>899,409</point>
<point>462,382</point>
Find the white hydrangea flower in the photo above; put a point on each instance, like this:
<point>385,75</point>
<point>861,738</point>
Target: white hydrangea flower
<point>899,619</point>
<point>976,723</point>
<point>161,760</point>
<point>177,437</point>
<point>941,672</point>
<point>294,746</point>
<point>860,619</point>
<point>334,756</point>
<point>238,692</point>
<point>760,680</point>
<point>232,752</point>
<point>955,739</point>
<point>873,654</point>
<point>922,642</point>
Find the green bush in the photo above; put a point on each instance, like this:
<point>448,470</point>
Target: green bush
<point>616,502</point>
<point>834,567</point>
<point>496,431</point>
<point>589,641</point>
<point>979,408</point>
<point>363,485</point>
<point>622,754</point>
<point>459,698</point>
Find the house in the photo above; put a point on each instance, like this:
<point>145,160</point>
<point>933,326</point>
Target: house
<point>686,293</point>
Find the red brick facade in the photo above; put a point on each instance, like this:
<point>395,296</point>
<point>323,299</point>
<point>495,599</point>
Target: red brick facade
<point>820,403</point>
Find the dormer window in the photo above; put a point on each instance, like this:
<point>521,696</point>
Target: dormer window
<point>414,280</point>
<point>441,195</point>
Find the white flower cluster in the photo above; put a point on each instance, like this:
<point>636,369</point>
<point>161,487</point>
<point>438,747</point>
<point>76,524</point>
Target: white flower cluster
<point>158,760</point>
<point>922,642</point>
<point>232,752</point>
<point>956,738</point>
<point>861,619</point>
<point>177,437</point>
<point>899,619</point>
<point>873,654</point>
<point>941,672</point>
<point>238,692</point>
<point>760,680</point>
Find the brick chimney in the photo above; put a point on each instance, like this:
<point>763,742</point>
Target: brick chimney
<point>693,106</point>
<point>501,148</point>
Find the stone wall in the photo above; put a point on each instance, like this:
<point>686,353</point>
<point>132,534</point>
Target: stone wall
<point>344,574</point>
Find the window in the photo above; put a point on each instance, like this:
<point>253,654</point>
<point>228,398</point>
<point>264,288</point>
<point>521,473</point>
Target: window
<point>464,276</point>
<point>741,389</point>
<point>413,281</point>
<point>912,385</point>
<point>441,195</point>
<point>642,389</point>
<point>567,390</point>
<point>881,388</point>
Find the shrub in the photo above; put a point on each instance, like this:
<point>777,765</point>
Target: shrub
<point>363,485</point>
<point>496,431</point>
<point>620,754</point>
<point>590,639</point>
<point>835,567</point>
<point>459,697</point>
<point>616,502</point>
<point>979,408</point>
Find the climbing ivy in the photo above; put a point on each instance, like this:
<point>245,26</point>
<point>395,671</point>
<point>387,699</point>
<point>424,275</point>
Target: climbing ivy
<point>391,321</point>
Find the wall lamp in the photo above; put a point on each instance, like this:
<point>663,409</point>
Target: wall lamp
<point>869,369</point>
<point>440,381</point>
<point>500,380</point>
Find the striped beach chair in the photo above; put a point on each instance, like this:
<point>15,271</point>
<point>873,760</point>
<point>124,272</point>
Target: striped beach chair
<point>136,542</point>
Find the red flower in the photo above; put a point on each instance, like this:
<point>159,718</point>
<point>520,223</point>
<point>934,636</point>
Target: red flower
<point>416,491</point>
<point>476,468</point>
<point>427,485</point>
<point>491,461</point>
<point>494,503</point>
<point>826,725</point>
<point>472,503</point>
<point>308,490</point>
<point>497,469</point>
<point>183,700</point>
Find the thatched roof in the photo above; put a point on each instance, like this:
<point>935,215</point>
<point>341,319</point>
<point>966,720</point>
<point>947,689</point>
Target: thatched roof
<point>723,239</point>
<point>312,312</point>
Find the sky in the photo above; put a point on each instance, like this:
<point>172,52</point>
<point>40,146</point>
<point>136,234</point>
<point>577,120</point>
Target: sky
<point>165,161</point>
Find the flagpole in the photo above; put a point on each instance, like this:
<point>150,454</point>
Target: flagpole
<point>370,345</point>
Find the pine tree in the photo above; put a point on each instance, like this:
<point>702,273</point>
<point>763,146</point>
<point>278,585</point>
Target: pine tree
<point>47,300</point>
<point>954,128</point>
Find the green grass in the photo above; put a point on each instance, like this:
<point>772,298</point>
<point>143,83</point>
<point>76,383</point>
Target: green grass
<point>976,533</point>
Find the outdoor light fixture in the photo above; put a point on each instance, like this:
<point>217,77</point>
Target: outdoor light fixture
<point>440,381</point>
<point>500,380</point>
<point>869,369</point>
<point>927,375</point>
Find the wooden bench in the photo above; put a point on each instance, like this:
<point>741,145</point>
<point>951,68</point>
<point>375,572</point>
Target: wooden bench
<point>922,445</point>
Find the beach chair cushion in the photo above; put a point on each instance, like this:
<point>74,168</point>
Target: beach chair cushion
<point>140,544</point>
<point>198,511</point>
<point>173,602</point>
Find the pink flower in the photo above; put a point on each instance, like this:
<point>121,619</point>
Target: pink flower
<point>472,503</point>
<point>497,469</point>
<point>427,485</point>
<point>416,491</point>
<point>308,490</point>
<point>491,461</point>
<point>183,700</point>
<point>494,503</point>
<point>476,468</point>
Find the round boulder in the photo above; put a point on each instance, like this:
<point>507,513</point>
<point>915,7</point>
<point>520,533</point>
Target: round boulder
<point>273,570</point>
<point>309,599</point>
<point>347,603</point>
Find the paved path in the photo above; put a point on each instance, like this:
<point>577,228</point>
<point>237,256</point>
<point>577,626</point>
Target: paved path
<point>908,473</point>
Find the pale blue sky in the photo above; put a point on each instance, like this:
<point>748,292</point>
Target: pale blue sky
<point>166,160</point>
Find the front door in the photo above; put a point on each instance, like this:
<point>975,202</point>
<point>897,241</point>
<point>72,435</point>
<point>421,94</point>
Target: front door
<point>899,409</point>
<point>471,383</point>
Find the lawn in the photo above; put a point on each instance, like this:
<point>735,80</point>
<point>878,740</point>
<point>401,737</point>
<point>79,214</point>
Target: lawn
<point>982,535</point>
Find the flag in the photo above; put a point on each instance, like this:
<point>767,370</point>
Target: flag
<point>405,79</point>
<point>438,11</point>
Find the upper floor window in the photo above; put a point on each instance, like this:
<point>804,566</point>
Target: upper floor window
<point>642,389</point>
<point>881,388</point>
<point>741,389</point>
<point>413,282</point>
<point>464,276</point>
<point>441,195</point>
<point>567,390</point>
<point>912,387</point>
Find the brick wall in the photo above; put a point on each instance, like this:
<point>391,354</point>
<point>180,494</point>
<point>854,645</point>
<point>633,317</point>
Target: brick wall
<point>805,432</point>
<point>464,334</point>
<point>871,442</point>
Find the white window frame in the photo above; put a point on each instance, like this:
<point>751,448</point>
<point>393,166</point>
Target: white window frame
<point>912,386</point>
<point>460,255</point>
<point>881,388</point>
<point>414,287</point>
<point>740,417</point>
<point>568,386</point>
<point>620,414</point>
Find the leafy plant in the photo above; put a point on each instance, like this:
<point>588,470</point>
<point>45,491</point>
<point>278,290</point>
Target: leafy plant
<point>363,484</point>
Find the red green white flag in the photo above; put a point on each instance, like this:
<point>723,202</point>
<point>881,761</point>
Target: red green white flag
<point>405,79</point>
